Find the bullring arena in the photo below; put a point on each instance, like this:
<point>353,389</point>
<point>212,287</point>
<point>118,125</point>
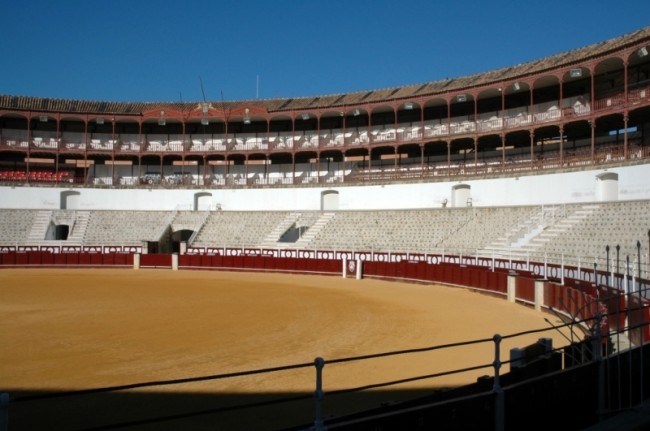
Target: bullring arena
<point>98,328</point>
<point>464,254</point>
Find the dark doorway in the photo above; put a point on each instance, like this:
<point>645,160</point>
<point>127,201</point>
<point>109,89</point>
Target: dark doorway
<point>180,236</point>
<point>61,232</point>
<point>152,247</point>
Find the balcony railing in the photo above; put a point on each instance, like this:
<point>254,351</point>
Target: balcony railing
<point>159,144</point>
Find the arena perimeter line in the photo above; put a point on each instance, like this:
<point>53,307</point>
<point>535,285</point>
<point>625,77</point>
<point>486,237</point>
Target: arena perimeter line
<point>67,329</point>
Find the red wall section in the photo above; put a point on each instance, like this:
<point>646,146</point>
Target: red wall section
<point>156,260</point>
<point>525,289</point>
<point>49,259</point>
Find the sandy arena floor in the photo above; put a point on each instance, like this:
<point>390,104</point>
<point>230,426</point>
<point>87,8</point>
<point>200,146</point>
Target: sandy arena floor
<point>63,330</point>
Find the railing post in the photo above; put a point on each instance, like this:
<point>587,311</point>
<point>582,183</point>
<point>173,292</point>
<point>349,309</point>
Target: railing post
<point>499,404</point>
<point>319,363</point>
<point>597,344</point>
<point>607,256</point>
<point>579,274</point>
<point>511,287</point>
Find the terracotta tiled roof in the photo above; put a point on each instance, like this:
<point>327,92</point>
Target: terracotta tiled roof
<point>336,100</point>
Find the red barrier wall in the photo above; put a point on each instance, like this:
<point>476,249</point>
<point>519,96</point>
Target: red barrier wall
<point>525,289</point>
<point>7,259</point>
<point>156,260</point>
<point>550,295</point>
<point>475,277</point>
<point>261,263</point>
<point>49,259</point>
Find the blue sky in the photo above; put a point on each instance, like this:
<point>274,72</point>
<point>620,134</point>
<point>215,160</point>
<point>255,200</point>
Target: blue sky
<point>137,50</point>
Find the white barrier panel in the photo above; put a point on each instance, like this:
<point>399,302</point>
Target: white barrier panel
<point>351,267</point>
<point>539,294</point>
<point>136,261</point>
<point>512,284</point>
<point>175,262</point>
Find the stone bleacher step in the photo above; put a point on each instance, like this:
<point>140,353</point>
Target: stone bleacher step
<point>314,229</point>
<point>39,227</point>
<point>272,239</point>
<point>80,225</point>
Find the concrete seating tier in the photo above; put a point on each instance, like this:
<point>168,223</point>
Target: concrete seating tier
<point>237,228</point>
<point>15,226</point>
<point>524,232</point>
<point>126,227</point>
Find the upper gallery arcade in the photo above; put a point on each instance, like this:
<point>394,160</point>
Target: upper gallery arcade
<point>589,105</point>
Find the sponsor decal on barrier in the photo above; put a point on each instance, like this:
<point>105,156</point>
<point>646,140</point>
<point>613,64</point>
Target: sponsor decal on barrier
<point>26,248</point>
<point>70,249</point>
<point>350,268</point>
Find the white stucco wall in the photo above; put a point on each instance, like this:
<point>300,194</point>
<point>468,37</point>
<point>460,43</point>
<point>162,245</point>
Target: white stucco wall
<point>633,184</point>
